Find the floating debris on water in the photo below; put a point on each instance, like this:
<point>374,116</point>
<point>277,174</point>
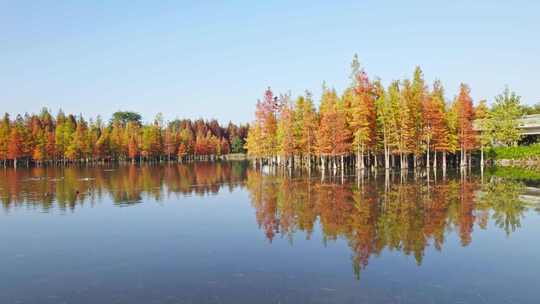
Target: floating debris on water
<point>86,179</point>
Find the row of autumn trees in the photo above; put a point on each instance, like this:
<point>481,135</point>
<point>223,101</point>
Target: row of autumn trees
<point>42,138</point>
<point>405,124</point>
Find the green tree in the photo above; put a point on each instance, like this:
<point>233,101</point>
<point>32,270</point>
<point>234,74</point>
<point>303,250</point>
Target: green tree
<point>237,145</point>
<point>415,102</point>
<point>481,114</point>
<point>78,148</point>
<point>285,133</point>
<point>440,123</point>
<point>254,141</point>
<point>307,139</point>
<point>124,117</point>
<point>392,119</point>
<point>531,110</point>
<point>386,121</point>
<point>502,123</point>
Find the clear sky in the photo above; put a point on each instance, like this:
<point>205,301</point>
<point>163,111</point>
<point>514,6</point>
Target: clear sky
<point>191,59</point>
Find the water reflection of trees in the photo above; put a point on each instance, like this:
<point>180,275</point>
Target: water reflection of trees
<point>376,215</point>
<point>66,188</point>
<point>372,215</point>
<point>502,198</point>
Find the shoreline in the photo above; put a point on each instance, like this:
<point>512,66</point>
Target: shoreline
<point>524,163</point>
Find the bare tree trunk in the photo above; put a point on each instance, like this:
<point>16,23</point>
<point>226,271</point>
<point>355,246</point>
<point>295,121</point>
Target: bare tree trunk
<point>444,161</point>
<point>386,158</point>
<point>427,158</point>
<point>482,156</point>
<point>358,160</point>
<point>361,158</point>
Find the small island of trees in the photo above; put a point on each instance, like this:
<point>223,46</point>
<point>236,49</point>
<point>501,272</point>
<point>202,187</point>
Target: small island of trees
<point>406,124</point>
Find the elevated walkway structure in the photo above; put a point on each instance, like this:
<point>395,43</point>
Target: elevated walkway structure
<point>528,125</point>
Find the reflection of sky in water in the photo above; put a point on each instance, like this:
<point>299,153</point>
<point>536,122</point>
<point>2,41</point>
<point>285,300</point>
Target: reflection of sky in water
<point>185,240</point>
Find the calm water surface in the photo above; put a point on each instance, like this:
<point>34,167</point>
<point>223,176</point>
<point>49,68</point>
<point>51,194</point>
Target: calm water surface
<point>224,233</point>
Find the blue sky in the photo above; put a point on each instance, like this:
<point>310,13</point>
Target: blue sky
<point>191,59</point>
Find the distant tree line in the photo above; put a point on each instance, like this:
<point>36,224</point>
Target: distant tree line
<point>531,110</point>
<point>406,124</point>
<point>44,139</point>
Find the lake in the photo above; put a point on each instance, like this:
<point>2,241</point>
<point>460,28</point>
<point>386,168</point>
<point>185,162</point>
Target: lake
<point>226,233</point>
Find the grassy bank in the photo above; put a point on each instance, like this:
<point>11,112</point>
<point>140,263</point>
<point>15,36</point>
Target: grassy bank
<point>531,153</point>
